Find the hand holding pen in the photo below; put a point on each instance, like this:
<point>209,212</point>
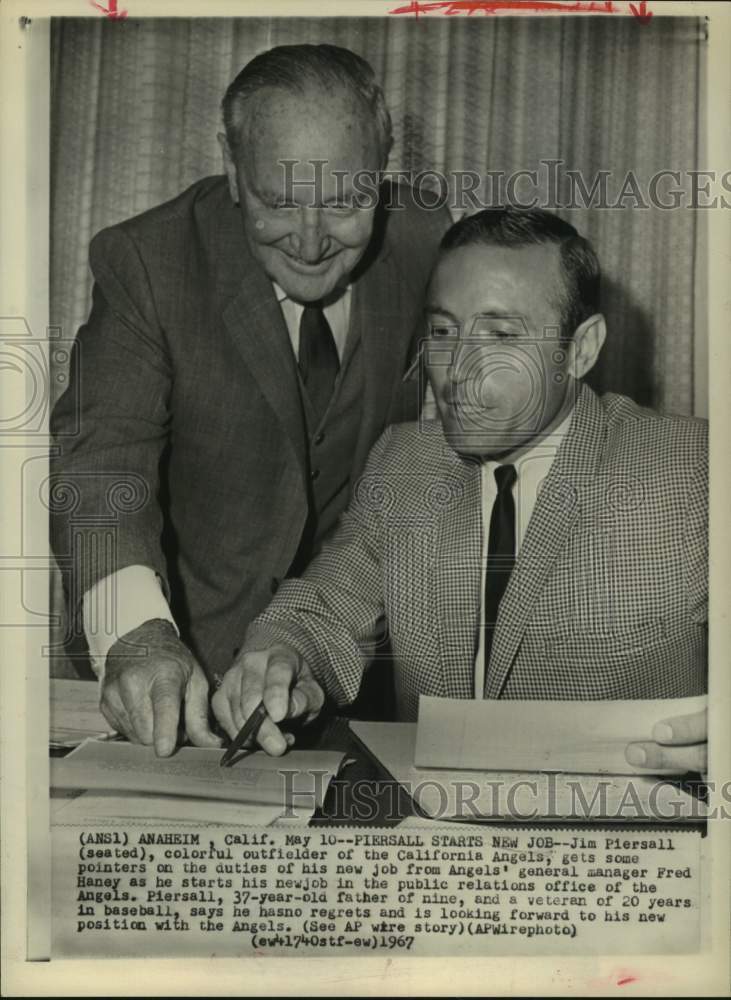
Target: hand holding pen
<point>268,686</point>
<point>250,728</point>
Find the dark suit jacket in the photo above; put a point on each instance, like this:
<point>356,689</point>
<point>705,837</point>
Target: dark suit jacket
<point>191,428</point>
<point>608,597</point>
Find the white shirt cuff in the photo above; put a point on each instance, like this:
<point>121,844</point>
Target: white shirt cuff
<point>117,604</point>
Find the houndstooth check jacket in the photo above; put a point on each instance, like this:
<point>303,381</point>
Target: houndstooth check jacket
<point>608,598</point>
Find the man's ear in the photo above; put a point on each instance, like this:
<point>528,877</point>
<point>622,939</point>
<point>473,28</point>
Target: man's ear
<point>586,344</point>
<point>229,166</point>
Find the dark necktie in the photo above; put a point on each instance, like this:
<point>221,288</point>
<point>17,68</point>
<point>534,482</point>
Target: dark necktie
<point>318,358</point>
<point>500,551</point>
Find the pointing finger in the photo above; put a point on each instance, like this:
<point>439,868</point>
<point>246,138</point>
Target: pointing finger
<point>166,696</point>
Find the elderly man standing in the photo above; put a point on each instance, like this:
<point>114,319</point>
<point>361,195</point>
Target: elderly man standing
<point>245,349</point>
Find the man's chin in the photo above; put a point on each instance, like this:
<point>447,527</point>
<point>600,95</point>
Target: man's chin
<point>304,284</point>
<point>304,289</point>
<point>481,444</point>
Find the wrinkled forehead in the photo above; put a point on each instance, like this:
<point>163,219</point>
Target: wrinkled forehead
<point>323,130</point>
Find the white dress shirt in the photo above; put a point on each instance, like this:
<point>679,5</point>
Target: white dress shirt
<point>124,600</point>
<point>337,313</point>
<point>531,467</point>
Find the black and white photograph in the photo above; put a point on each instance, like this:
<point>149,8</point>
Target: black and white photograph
<point>363,373</point>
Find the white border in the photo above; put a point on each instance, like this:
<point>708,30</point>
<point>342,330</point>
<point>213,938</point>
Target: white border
<point>24,222</point>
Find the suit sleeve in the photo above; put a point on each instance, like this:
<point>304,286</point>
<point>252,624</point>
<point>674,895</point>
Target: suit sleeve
<point>110,428</point>
<point>331,613</point>
<point>695,543</point>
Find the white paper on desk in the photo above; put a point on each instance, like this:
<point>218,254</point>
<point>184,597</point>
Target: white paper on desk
<point>151,810</point>
<point>298,779</point>
<point>584,737</point>
<point>525,796</point>
<point>74,712</point>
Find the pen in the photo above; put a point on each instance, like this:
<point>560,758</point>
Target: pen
<point>248,729</point>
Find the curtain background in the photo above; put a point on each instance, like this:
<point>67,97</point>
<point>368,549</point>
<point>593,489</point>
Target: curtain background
<point>135,108</point>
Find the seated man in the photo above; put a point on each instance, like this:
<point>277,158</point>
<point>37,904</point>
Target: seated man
<point>541,542</point>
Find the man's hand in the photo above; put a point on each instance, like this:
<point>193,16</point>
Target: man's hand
<point>142,694</point>
<point>680,743</point>
<point>282,680</point>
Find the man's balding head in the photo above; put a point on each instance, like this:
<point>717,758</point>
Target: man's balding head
<point>326,72</point>
<point>307,133</point>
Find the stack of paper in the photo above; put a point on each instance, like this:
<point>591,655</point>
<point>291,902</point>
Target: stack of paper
<point>127,781</point>
<point>457,767</point>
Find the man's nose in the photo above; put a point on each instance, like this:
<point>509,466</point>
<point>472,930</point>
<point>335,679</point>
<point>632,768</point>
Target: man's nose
<point>465,362</point>
<point>310,239</point>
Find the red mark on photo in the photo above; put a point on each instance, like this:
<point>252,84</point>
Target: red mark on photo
<point>111,10</point>
<point>450,7</point>
<point>643,15</point>
<point>621,976</point>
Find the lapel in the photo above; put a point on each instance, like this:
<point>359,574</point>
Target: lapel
<point>556,511</point>
<point>253,318</point>
<point>458,573</point>
<point>378,308</point>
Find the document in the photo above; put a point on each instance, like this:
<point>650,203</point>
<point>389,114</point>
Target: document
<point>112,809</point>
<point>524,796</point>
<point>126,780</point>
<point>583,737</point>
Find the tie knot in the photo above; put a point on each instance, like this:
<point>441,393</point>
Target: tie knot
<point>505,476</point>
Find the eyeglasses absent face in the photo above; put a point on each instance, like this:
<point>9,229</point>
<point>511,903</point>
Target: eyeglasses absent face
<point>306,220</point>
<point>494,354</point>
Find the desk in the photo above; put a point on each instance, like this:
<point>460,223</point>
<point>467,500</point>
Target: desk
<point>382,800</point>
<point>387,801</point>
<point>365,794</point>
<point>379,799</point>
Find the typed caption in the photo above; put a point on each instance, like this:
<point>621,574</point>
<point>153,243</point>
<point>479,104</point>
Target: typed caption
<point>224,891</point>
